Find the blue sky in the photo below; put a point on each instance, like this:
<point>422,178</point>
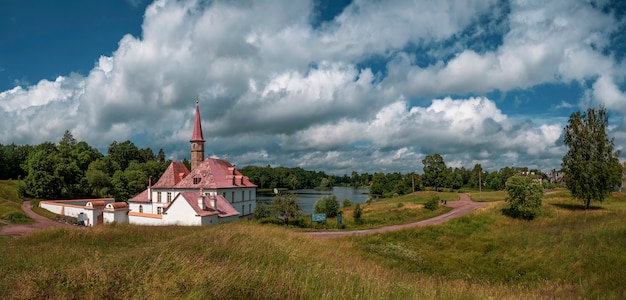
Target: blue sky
<point>326,85</point>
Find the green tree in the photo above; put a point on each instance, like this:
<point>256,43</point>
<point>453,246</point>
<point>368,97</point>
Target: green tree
<point>435,171</point>
<point>97,177</point>
<point>285,207</point>
<point>477,175</point>
<point>524,197</point>
<point>120,186</point>
<point>590,165</point>
<point>123,153</point>
<point>328,205</point>
<point>378,184</point>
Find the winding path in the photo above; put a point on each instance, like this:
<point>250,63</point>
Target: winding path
<point>40,223</point>
<point>459,208</point>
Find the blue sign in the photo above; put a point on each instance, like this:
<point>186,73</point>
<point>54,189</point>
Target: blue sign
<point>320,218</point>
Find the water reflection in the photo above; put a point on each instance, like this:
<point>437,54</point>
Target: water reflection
<point>307,198</point>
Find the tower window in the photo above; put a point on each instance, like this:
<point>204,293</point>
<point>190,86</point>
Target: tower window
<point>169,197</point>
<point>158,197</point>
<point>140,208</point>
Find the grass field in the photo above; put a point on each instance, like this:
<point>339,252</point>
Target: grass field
<point>392,211</point>
<point>566,253</point>
<point>10,204</point>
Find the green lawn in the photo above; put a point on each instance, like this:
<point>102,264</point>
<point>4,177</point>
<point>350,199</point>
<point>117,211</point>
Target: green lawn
<point>10,203</point>
<point>566,253</point>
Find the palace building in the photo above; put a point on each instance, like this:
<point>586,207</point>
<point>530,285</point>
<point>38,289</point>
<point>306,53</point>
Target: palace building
<point>214,191</point>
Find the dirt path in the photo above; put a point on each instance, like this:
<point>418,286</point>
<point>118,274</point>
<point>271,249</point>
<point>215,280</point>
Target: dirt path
<point>459,208</point>
<point>40,223</point>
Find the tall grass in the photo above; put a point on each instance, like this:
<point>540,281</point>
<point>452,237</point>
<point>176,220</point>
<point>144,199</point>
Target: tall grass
<point>566,253</point>
<point>10,203</point>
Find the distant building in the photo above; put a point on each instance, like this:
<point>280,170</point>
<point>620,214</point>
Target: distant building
<point>214,191</point>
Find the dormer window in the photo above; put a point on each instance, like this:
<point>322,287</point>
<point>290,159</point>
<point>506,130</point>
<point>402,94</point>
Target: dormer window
<point>197,180</point>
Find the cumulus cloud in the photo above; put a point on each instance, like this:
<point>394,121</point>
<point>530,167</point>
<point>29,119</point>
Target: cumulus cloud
<point>274,89</point>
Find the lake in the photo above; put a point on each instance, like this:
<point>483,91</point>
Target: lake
<point>307,198</point>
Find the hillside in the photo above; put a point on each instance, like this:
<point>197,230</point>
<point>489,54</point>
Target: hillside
<point>569,253</point>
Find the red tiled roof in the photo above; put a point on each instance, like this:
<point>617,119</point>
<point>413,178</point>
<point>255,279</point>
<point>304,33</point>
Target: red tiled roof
<point>224,209</point>
<point>142,197</point>
<point>118,205</point>
<point>174,174</point>
<point>197,127</point>
<point>98,203</point>
<point>215,173</point>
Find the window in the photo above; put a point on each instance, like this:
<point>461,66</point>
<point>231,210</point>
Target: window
<point>159,210</point>
<point>243,210</point>
<point>140,208</point>
<point>169,197</point>
<point>232,195</point>
<point>249,208</point>
<point>249,195</point>
<point>243,197</point>
<point>159,197</point>
<point>196,180</point>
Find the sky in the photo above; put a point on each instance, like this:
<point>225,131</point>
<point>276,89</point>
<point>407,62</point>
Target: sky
<point>334,86</point>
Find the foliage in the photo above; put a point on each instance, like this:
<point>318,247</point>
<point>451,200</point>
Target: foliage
<point>433,203</point>
<point>346,203</point>
<point>18,218</point>
<point>269,177</point>
<point>261,211</point>
<point>436,174</point>
<point>328,205</point>
<point>285,207</point>
<point>591,167</point>
<point>357,214</point>
<point>524,197</point>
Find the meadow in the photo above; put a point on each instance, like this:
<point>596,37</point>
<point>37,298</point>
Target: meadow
<point>566,253</point>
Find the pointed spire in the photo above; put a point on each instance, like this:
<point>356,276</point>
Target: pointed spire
<point>197,126</point>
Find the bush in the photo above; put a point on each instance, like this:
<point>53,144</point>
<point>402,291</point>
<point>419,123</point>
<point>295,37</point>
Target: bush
<point>433,203</point>
<point>524,197</point>
<point>327,205</point>
<point>400,204</point>
<point>18,218</point>
<point>347,202</point>
<point>261,211</point>
<point>357,214</point>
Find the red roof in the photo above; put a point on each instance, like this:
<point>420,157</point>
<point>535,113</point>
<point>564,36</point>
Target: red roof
<point>174,174</point>
<point>142,197</point>
<point>214,173</point>
<point>197,127</point>
<point>224,209</point>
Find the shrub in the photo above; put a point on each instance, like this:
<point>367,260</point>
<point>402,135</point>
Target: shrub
<point>524,197</point>
<point>433,203</point>
<point>261,211</point>
<point>357,213</point>
<point>347,202</point>
<point>328,205</point>
<point>18,218</point>
<point>400,204</point>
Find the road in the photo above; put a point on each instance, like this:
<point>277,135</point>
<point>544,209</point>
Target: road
<point>459,208</point>
<point>40,223</point>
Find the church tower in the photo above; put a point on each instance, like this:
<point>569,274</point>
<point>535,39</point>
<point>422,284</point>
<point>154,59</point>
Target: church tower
<point>197,141</point>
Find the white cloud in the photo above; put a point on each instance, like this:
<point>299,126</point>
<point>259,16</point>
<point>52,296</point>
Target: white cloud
<point>275,90</point>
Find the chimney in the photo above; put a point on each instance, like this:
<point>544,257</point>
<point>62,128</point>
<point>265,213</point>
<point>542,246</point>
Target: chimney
<point>214,202</point>
<point>150,188</point>
<point>201,202</point>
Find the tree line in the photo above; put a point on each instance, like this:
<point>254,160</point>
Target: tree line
<point>73,169</point>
